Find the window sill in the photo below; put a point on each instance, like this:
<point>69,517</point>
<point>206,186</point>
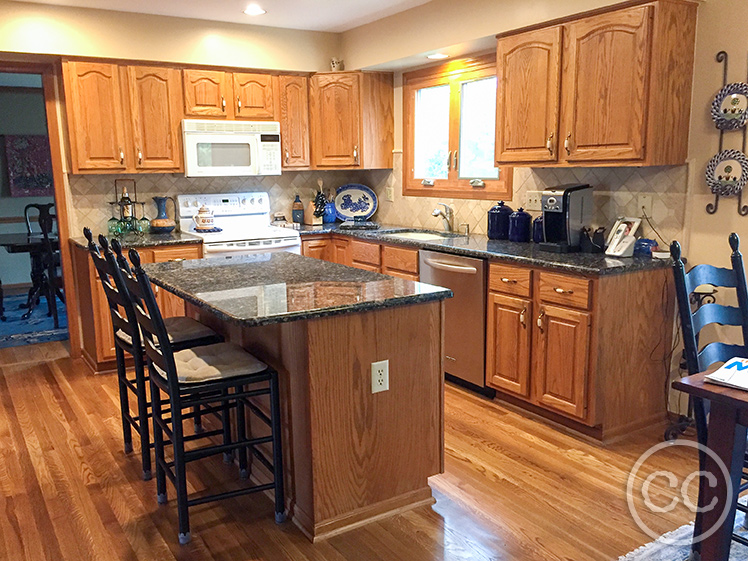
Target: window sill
<point>494,190</point>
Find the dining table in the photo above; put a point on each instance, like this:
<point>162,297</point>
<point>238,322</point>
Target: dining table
<point>34,245</point>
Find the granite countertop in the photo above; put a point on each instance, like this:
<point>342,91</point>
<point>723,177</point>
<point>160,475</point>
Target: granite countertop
<point>269,288</point>
<point>148,240</point>
<point>521,253</point>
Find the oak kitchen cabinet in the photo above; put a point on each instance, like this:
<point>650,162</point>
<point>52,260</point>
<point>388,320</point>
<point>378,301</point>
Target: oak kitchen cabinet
<point>96,323</point>
<point>294,121</point>
<point>562,345</point>
<point>351,119</point>
<point>123,118</point>
<point>229,95</point>
<point>380,258</point>
<point>609,88</point>
<point>335,249</point>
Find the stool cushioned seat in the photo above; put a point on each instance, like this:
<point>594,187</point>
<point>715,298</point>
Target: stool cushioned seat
<point>212,362</point>
<point>180,329</point>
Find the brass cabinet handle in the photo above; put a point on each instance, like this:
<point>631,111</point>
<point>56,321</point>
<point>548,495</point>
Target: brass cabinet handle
<point>355,154</point>
<point>549,144</point>
<point>140,156</point>
<point>449,159</point>
<point>238,104</point>
<point>223,104</point>
<point>540,320</point>
<point>567,144</point>
<point>562,291</point>
<point>121,156</point>
<point>508,281</point>
<point>287,156</point>
<point>522,317</point>
<point>455,164</point>
<point>176,260</point>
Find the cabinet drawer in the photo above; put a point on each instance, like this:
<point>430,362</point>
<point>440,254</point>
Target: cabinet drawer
<point>565,290</point>
<point>176,254</point>
<point>509,279</point>
<point>364,252</point>
<point>400,259</point>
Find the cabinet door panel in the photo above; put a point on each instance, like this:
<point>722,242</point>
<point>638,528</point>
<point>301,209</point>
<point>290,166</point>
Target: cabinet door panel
<point>254,96</point>
<point>508,336</point>
<point>206,93</point>
<point>317,249</point>
<point>340,251</point>
<point>606,86</point>
<point>335,111</point>
<point>156,109</point>
<point>294,121</point>
<point>96,114</point>
<point>562,350</point>
<point>528,68</point>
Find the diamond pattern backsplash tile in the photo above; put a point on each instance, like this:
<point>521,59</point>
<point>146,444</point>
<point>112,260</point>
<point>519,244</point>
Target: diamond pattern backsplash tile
<point>615,194</point>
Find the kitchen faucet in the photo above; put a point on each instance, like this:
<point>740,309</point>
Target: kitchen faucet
<point>447,215</point>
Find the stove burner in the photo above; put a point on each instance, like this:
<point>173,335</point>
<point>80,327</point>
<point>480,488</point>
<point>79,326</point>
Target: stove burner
<point>208,230</point>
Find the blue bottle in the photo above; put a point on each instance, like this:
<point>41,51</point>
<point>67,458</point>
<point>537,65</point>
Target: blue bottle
<point>519,226</point>
<point>297,211</point>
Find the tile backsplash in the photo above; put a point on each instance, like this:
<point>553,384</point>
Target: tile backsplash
<point>614,195</point>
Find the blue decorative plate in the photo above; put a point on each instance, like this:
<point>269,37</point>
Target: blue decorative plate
<point>727,173</point>
<point>730,107</point>
<point>355,201</point>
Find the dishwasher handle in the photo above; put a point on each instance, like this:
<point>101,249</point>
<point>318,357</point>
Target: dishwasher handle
<point>467,270</point>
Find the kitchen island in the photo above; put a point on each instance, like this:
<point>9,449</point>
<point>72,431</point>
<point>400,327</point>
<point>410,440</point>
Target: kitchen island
<point>351,455</point>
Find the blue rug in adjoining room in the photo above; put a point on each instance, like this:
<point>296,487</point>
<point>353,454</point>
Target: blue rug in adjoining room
<point>39,328</point>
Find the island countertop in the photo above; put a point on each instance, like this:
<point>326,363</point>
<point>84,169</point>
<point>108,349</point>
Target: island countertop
<point>270,288</point>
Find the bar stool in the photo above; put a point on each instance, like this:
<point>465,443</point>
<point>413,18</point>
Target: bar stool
<point>216,377</point>
<point>185,332</point>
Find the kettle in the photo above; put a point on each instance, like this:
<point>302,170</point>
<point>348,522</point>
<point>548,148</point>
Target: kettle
<point>519,226</point>
<point>498,221</point>
<point>204,219</point>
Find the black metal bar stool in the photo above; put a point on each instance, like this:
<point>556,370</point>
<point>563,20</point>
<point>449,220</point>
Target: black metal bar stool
<point>185,333</point>
<point>218,378</point>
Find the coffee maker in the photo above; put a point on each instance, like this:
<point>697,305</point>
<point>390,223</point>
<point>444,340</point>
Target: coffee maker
<point>566,210</point>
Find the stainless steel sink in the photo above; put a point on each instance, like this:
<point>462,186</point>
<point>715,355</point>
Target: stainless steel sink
<point>420,236</point>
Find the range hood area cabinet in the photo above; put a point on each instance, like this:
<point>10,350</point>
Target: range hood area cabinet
<point>352,119</point>
<point>230,95</point>
<point>611,88</point>
<point>123,118</point>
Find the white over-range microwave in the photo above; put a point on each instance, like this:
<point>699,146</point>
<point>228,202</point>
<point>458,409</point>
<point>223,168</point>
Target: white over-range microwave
<point>231,148</point>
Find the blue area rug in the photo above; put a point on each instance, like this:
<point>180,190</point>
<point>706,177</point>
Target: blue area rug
<point>659,550</point>
<point>39,328</point>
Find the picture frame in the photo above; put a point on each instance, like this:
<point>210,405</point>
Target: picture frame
<point>633,223</point>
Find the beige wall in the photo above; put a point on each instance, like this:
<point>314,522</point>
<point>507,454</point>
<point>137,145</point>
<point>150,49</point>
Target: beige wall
<point>44,29</point>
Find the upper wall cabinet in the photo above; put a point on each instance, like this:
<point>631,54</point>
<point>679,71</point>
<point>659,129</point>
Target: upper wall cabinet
<point>229,95</point>
<point>93,98</point>
<point>624,93</point>
<point>294,121</point>
<point>123,118</point>
<point>352,122</point>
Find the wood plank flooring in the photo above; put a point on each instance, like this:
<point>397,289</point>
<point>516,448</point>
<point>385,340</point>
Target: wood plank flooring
<point>514,489</point>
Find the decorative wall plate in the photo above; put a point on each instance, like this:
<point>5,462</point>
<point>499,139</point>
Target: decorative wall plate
<point>727,172</point>
<point>355,201</point>
<point>730,106</point>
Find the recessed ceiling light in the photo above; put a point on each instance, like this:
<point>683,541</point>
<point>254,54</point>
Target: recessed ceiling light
<point>437,56</point>
<point>254,10</point>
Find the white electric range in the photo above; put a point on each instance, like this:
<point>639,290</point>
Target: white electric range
<point>242,222</point>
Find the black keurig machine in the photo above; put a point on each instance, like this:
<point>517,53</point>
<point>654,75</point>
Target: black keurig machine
<point>566,210</point>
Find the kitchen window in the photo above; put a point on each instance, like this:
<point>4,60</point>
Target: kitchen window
<point>450,132</point>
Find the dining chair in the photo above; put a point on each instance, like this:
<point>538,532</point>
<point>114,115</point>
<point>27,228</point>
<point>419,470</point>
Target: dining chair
<point>45,264</point>
<point>217,377</point>
<point>693,319</point>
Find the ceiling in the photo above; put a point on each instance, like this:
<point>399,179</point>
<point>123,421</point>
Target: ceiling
<point>317,15</point>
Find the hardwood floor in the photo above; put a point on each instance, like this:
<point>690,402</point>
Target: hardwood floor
<point>514,489</point>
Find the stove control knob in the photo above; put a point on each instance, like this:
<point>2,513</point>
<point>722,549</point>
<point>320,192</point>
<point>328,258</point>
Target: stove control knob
<point>259,201</point>
<point>195,204</point>
<point>251,201</point>
<point>244,202</point>
<point>185,203</point>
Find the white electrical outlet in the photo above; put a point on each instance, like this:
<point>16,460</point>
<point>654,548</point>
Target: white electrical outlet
<point>380,376</point>
<point>644,205</point>
<point>533,200</point>
<point>389,193</point>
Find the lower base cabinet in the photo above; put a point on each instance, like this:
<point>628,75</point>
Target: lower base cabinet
<point>96,322</point>
<point>509,328</point>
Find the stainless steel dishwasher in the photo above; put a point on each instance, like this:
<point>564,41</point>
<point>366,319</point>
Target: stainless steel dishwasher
<point>465,333</point>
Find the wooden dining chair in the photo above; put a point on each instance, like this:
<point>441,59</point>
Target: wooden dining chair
<point>694,318</point>
<point>218,378</point>
<point>46,264</point>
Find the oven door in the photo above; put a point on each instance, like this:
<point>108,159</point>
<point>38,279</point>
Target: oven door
<point>220,155</point>
<point>245,247</point>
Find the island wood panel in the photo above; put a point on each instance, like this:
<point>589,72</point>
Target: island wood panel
<point>156,111</point>
<point>528,74</point>
<point>344,446</point>
<point>605,90</point>
<point>294,121</point>
<point>254,95</point>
